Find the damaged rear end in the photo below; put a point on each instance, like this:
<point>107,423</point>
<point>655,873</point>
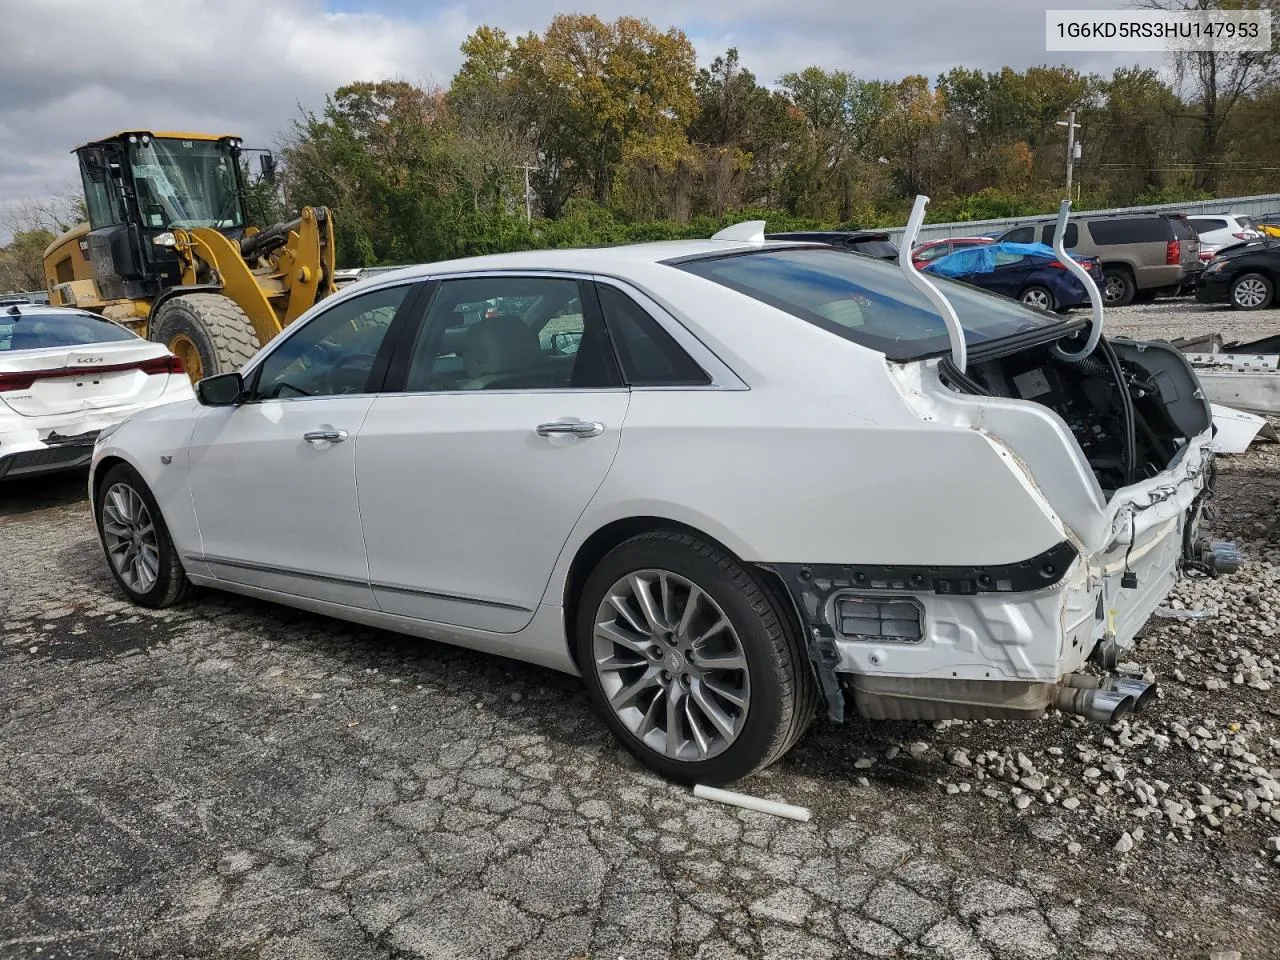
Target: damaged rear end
<point>1112,438</point>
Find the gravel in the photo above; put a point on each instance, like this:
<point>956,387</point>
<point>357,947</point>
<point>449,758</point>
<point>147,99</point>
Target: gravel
<point>1171,319</point>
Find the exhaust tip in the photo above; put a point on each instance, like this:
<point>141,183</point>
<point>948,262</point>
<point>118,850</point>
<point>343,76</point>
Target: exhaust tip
<point>1099,705</point>
<point>1142,691</point>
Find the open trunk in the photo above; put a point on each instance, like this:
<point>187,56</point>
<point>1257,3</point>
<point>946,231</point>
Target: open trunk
<point>1131,407</point>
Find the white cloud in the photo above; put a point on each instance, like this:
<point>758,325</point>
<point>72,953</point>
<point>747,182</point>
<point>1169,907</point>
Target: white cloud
<point>88,68</point>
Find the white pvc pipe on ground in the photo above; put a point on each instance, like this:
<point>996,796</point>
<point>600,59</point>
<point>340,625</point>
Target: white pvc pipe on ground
<point>752,803</point>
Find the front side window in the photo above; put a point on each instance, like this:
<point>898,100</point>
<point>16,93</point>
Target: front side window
<point>333,354</point>
<point>869,302</point>
<point>186,183</point>
<point>510,333</point>
<point>933,253</point>
<point>1020,235</point>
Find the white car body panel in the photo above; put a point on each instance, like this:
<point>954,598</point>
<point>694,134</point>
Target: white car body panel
<point>82,390</point>
<point>445,515</point>
<point>1225,236</point>
<point>239,455</point>
<point>472,545</point>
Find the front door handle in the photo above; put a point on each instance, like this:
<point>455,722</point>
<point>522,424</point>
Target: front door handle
<point>325,436</point>
<point>575,428</point>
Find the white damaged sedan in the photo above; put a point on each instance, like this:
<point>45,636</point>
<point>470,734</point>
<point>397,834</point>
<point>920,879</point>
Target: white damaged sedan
<point>730,482</point>
<point>67,374</point>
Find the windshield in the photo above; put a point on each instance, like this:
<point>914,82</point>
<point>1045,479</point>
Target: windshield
<point>186,183</point>
<point>36,331</point>
<point>867,301</point>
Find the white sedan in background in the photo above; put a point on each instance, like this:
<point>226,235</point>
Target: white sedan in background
<point>729,482</point>
<point>67,374</point>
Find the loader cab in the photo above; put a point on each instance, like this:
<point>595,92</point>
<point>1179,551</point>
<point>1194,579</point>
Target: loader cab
<point>138,187</point>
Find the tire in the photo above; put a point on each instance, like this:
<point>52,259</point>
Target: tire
<point>1117,287</point>
<point>208,331</point>
<point>1144,296</point>
<point>170,584</point>
<point>1252,291</point>
<point>1039,297</point>
<point>777,690</point>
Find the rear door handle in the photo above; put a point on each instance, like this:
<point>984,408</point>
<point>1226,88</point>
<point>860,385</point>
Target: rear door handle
<point>575,428</point>
<point>325,436</point>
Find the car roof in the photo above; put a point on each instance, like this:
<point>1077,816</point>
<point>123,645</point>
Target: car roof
<point>606,260</point>
<point>45,310</point>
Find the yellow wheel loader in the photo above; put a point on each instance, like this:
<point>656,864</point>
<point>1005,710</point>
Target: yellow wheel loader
<point>168,250</point>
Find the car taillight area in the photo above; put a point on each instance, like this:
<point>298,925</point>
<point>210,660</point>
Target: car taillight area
<point>1173,253</point>
<point>82,381</point>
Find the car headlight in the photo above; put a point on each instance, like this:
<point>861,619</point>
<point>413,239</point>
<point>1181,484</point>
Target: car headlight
<point>1215,266</point>
<point>101,438</point>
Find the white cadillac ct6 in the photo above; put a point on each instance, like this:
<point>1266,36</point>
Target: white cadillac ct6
<point>67,374</point>
<point>732,483</point>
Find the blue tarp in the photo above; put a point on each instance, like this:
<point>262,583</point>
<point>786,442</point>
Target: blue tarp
<point>970,260</point>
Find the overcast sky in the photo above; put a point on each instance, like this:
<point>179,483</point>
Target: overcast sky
<point>75,70</point>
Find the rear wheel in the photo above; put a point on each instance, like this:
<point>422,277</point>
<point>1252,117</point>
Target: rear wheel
<point>1117,287</point>
<point>208,332</point>
<point>1252,291</point>
<point>1039,297</point>
<point>134,537</point>
<point>691,661</point>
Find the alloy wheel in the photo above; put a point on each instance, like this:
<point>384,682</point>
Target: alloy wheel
<point>130,536</point>
<point>1250,292</point>
<point>1112,289</point>
<point>671,665</point>
<point>1037,298</point>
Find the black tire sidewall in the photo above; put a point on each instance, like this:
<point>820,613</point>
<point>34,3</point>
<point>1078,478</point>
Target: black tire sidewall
<point>1128,286</point>
<point>165,588</point>
<point>175,317</point>
<point>766,710</point>
<point>1270,285</point>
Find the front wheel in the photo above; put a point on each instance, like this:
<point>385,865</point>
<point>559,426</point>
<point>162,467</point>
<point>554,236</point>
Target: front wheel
<point>208,332</point>
<point>1252,291</point>
<point>692,662</point>
<point>134,537</point>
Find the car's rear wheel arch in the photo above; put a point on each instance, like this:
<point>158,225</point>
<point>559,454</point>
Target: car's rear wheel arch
<point>597,546</point>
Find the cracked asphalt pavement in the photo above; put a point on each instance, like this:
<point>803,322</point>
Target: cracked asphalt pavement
<point>232,779</point>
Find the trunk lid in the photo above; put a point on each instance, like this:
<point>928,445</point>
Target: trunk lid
<point>61,380</point>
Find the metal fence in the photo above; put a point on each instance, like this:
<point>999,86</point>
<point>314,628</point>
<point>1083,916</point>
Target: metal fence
<point>1240,206</point>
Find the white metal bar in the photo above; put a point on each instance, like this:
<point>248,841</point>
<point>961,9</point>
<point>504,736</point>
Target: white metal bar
<point>1081,274</point>
<point>955,332</point>
<point>752,803</point>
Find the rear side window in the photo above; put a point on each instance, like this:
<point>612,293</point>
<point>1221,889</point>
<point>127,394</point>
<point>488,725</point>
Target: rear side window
<point>869,302</point>
<point>34,331</point>
<point>649,356</point>
<point>1205,224</point>
<point>1131,230</point>
<point>1020,235</point>
<point>1069,241</point>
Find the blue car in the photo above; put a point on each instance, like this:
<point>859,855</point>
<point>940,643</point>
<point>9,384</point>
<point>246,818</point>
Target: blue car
<point>1030,272</point>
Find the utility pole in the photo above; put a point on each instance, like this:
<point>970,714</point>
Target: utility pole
<point>1072,152</point>
<point>528,195</point>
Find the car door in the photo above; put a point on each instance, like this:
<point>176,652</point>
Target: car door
<point>273,479</point>
<point>1010,274</point>
<point>472,476</point>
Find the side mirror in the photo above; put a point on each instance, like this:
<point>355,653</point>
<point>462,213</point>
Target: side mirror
<point>222,390</point>
<point>267,164</point>
<point>566,341</point>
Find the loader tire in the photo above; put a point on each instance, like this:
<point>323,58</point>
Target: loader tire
<point>207,331</point>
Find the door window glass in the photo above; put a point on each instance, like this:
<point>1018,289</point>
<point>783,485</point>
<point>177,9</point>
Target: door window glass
<point>333,353</point>
<point>511,333</point>
<point>650,356</point>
